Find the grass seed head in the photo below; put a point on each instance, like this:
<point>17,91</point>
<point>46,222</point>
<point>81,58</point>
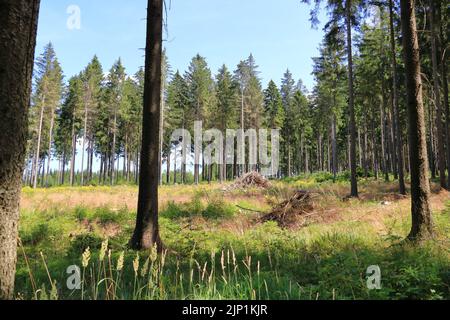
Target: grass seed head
<point>120,261</point>
<point>86,257</point>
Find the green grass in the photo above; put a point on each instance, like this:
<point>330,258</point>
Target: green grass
<point>209,261</point>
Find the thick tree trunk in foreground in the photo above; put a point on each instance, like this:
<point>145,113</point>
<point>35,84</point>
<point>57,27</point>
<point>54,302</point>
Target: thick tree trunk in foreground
<point>353,178</point>
<point>146,233</point>
<point>422,223</point>
<point>18,25</point>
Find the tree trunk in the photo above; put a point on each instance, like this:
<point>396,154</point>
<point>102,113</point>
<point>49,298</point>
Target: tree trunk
<point>383,142</point>
<point>74,155</point>
<point>168,169</point>
<point>84,143</point>
<point>360,149</point>
<point>444,50</point>
<point>289,173</point>
<point>354,182</point>
<point>392,146</point>
<point>50,141</point>
<point>334,146</point>
<point>431,157</point>
<point>146,233</point>
<point>161,134</point>
<point>113,152</point>
<point>447,112</point>
<point>398,131</point>
<point>18,25</point>
<point>175,158</point>
<point>38,145</point>
<point>374,147</point>
<point>91,158</point>
<point>63,175</point>
<point>242,142</point>
<point>422,222</point>
<point>437,97</point>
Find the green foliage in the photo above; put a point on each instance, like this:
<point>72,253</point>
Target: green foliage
<point>83,241</point>
<point>106,215</point>
<point>274,112</point>
<point>215,208</point>
<point>37,234</point>
<point>262,262</point>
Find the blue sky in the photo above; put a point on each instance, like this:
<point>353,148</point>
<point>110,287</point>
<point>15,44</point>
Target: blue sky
<point>278,33</point>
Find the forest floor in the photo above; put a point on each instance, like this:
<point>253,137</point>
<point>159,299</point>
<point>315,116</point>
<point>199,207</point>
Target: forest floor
<point>218,248</point>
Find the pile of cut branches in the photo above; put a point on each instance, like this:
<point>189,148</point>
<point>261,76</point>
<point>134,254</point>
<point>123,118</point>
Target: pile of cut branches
<point>292,212</point>
<point>248,181</point>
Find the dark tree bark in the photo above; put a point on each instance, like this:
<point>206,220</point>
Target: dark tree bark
<point>146,233</point>
<point>334,146</point>
<point>18,25</point>
<point>168,168</point>
<point>384,155</point>
<point>437,95</point>
<point>398,131</point>
<point>422,222</point>
<point>446,104</point>
<point>353,178</point>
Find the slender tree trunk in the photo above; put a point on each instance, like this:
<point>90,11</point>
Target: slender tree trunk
<point>42,168</point>
<point>398,130</point>
<point>74,155</point>
<point>365,150</point>
<point>354,182</point>
<point>422,222</point>
<point>88,160</point>
<point>128,160</point>
<point>146,233</point>
<point>136,169</point>
<point>50,142</point>
<point>360,151</point>
<point>84,143</point>
<point>63,176</point>
<point>447,112</point>
<point>374,148</point>
<point>18,25</point>
<point>184,159</point>
<point>392,146</point>
<point>307,160</point>
<point>161,134</point>
<point>334,146</point>
<point>113,152</point>
<point>437,97</point>
<point>289,173</point>
<point>91,158</point>
<point>168,169</point>
<point>444,55</point>
<point>383,143</point>
<point>431,157</point>
<point>242,142</point>
<point>38,144</point>
<point>175,158</point>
